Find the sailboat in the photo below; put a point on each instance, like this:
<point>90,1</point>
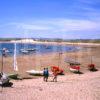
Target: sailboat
<point>14,76</point>
<point>27,49</point>
<point>24,50</point>
<point>4,79</point>
<point>15,67</point>
<point>57,68</point>
<point>91,66</point>
<point>74,66</point>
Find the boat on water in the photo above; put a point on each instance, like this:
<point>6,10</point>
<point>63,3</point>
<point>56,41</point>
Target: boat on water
<point>24,51</point>
<point>31,49</point>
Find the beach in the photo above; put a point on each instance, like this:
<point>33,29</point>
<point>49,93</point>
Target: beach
<point>39,61</point>
<point>69,86</point>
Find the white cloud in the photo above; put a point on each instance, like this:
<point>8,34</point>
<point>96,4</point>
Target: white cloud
<point>53,27</point>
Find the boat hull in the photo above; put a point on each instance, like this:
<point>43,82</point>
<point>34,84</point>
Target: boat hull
<point>35,72</point>
<point>74,70</point>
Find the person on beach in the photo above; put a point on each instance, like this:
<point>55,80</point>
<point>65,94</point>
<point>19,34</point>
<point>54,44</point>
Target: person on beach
<point>45,74</point>
<point>55,73</point>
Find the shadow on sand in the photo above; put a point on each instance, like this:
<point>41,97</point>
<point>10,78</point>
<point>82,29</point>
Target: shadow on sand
<point>9,84</point>
<point>78,72</point>
<point>93,70</point>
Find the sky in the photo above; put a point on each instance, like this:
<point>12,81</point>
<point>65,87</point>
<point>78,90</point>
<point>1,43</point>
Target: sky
<point>66,19</point>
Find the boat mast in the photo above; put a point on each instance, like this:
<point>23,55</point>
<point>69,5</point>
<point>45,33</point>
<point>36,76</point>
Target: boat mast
<point>2,62</point>
<point>3,54</point>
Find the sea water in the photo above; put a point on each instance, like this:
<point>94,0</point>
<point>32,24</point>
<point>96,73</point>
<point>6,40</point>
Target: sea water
<point>38,48</point>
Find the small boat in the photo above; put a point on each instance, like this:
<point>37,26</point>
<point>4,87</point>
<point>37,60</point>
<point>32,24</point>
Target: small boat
<point>31,49</point>
<point>58,69</point>
<point>75,69</point>
<point>13,76</point>
<point>24,51</point>
<point>35,72</point>
<point>92,67</point>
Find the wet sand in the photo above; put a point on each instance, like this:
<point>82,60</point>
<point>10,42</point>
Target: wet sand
<point>38,62</point>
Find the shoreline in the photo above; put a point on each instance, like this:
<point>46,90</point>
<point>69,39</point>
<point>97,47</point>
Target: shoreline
<point>57,43</point>
<point>69,86</point>
<point>39,61</point>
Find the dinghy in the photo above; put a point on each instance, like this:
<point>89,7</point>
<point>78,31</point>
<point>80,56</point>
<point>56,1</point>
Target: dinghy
<point>75,69</point>
<point>58,69</point>
<point>24,51</point>
<point>31,49</point>
<point>35,72</point>
<point>13,76</point>
<point>92,67</point>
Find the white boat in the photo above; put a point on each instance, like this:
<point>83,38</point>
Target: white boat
<point>24,51</point>
<point>35,72</point>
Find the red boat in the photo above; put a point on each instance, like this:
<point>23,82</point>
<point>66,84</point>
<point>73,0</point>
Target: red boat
<point>91,67</point>
<point>75,68</point>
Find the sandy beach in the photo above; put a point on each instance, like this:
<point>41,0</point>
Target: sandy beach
<point>69,86</point>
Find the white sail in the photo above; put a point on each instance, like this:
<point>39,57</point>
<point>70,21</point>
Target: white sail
<point>15,61</point>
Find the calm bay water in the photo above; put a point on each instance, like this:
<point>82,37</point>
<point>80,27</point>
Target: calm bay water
<point>38,48</point>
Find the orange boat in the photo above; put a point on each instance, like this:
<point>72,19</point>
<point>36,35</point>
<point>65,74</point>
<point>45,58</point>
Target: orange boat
<point>60,71</point>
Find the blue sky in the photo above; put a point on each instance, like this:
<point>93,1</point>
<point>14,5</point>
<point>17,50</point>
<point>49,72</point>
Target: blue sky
<point>67,19</point>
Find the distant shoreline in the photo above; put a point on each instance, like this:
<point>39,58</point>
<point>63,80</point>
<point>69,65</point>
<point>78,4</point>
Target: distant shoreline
<point>55,43</point>
<point>60,43</point>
